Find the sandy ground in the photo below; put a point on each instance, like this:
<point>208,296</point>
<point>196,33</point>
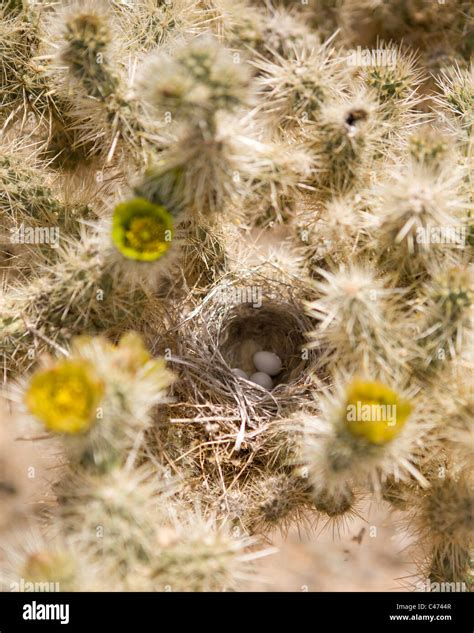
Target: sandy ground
<point>367,555</point>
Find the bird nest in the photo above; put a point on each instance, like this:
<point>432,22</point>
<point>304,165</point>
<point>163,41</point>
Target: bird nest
<point>215,418</point>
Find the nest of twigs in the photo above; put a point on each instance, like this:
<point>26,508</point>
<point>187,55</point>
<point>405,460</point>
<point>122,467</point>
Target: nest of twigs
<point>217,424</point>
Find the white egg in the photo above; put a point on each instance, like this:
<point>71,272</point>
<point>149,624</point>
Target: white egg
<point>267,362</point>
<point>240,373</point>
<point>262,379</point>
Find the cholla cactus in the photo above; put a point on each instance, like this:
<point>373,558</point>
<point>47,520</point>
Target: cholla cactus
<point>88,77</point>
<point>363,435</point>
<point>422,23</point>
<point>35,563</point>
<point>444,522</point>
<point>394,78</point>
<point>29,196</point>
<point>457,88</point>
<point>357,316</point>
<point>294,88</point>
<point>346,136</point>
<point>194,554</point>
<point>99,398</point>
<point>200,79</point>
<point>448,315</point>
<point>236,291</point>
<point>415,206</point>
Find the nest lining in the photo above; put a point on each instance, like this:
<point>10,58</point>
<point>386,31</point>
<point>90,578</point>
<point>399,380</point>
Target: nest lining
<point>272,327</point>
<point>220,332</point>
<point>214,415</point>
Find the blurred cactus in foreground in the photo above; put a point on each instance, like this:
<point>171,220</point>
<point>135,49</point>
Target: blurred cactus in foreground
<point>182,185</point>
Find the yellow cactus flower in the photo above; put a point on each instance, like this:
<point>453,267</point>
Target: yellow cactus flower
<point>65,397</point>
<point>141,230</point>
<point>375,412</point>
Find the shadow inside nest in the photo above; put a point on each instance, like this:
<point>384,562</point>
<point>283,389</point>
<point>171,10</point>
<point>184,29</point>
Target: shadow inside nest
<point>270,327</point>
